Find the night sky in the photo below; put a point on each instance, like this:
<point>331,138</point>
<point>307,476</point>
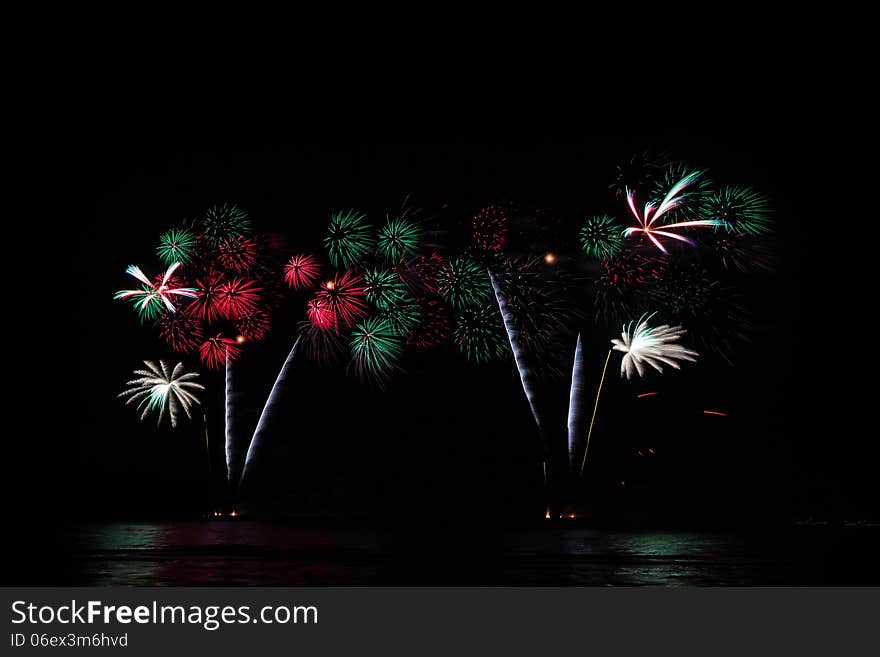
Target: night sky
<point>446,437</point>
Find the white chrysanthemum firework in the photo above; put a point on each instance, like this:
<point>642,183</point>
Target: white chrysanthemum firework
<point>164,389</point>
<point>642,344</point>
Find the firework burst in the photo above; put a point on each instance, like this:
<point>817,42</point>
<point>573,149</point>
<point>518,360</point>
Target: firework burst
<point>643,345</point>
<point>375,347</point>
<point>434,329</point>
<point>320,342</point>
<point>490,228</point>
<point>163,389</point>
<point>254,325</point>
<point>463,282</point>
<point>176,245</point>
<point>343,296</point>
<point>403,316</point>
<point>154,297</point>
<point>238,297</point>
<point>206,306</point>
<point>383,287</point>
<point>349,238</point>
<point>225,222</point>
<point>215,351</point>
<point>398,239</point>
<point>641,170</point>
<point>181,331</point>
<point>742,210</point>
<point>301,271</point>
<point>689,198</point>
<point>675,198</point>
<point>617,290</point>
<point>237,253</point>
<point>601,237</point>
<point>479,333</point>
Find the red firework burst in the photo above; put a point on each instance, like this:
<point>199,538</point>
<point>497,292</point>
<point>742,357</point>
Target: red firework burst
<point>181,331</point>
<point>238,254</point>
<point>434,328</point>
<point>301,271</point>
<point>425,270</point>
<point>490,228</point>
<point>320,315</point>
<point>345,296</point>
<point>238,297</point>
<point>255,325</point>
<point>214,351</point>
<point>207,305</point>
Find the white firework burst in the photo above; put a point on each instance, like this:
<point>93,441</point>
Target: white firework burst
<point>163,389</point>
<point>654,346</point>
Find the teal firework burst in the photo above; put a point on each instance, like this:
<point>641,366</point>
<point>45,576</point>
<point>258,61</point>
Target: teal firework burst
<point>743,210</point>
<point>601,237</point>
<point>225,222</point>
<point>383,287</point>
<point>479,333</point>
<point>403,316</point>
<point>689,200</point>
<point>375,348</point>
<point>398,239</point>
<point>463,282</point>
<point>176,245</point>
<point>349,238</point>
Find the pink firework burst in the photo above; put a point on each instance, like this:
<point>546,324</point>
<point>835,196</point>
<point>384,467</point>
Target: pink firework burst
<point>421,271</point>
<point>320,315</point>
<point>207,306</point>
<point>214,351</point>
<point>345,296</point>
<point>183,332</point>
<point>301,271</point>
<point>647,220</point>
<point>238,297</point>
<point>254,326</point>
<point>237,253</point>
<point>490,228</point>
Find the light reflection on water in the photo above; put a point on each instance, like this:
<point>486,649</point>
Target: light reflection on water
<point>219,552</point>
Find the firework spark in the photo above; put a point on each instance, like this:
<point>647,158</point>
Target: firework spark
<point>649,216</point>
<point>479,333</point>
<point>375,347</point>
<point>744,211</point>
<point>176,245</point>
<point>224,222</point>
<point>655,346</point>
<point>181,331</point>
<point>154,298</point>
<point>163,389</point>
<point>434,329</point>
<point>490,228</point>
<point>301,271</point>
<point>601,237</point>
<point>398,238</point>
<point>462,282</point>
<point>348,238</point>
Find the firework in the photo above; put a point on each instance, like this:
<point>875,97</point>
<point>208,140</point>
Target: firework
<point>231,451</point>
<point>237,253</point>
<point>434,329</point>
<point>673,199</point>
<point>321,344</point>
<point>238,297</point>
<point>479,333</point>
<point>176,245</point>
<point>742,210</point>
<point>181,331</point>
<point>375,347</point>
<point>207,305</point>
<point>320,315</point>
<point>655,346</point>
<point>689,199</point>
<point>225,222</point>
<point>254,325</point>
<point>348,238</point>
<point>403,316</point>
<point>383,287</point>
<point>215,351</point>
<point>490,228</point>
<point>272,404</point>
<point>463,282</point>
<point>154,298</point>
<point>163,389</point>
<point>617,289</point>
<point>344,296</point>
<point>398,238</point>
<point>301,271</point>
<point>642,169</point>
<point>421,271</point>
<point>743,252</point>
<point>575,401</point>
<point>601,237</point>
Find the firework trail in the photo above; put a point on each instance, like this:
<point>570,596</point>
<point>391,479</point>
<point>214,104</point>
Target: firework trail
<point>272,402</point>
<point>576,402</point>
<point>164,389</point>
<point>527,375</point>
<point>230,422</point>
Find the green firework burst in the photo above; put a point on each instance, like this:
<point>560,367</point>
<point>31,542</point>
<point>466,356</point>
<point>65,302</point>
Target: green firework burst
<point>601,237</point>
<point>176,245</point>
<point>224,222</point>
<point>383,287</point>
<point>463,282</point>
<point>403,316</point>
<point>375,348</point>
<point>690,200</point>
<point>743,210</point>
<point>479,333</point>
<point>349,238</point>
<point>399,238</point>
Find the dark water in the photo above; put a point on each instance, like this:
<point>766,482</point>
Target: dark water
<point>261,553</point>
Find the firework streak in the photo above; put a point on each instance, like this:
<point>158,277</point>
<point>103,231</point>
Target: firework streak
<point>272,402</point>
<point>576,403</point>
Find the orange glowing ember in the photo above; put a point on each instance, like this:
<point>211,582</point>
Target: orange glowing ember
<point>550,258</point>
<point>330,285</point>
<point>547,515</point>
<point>239,339</point>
